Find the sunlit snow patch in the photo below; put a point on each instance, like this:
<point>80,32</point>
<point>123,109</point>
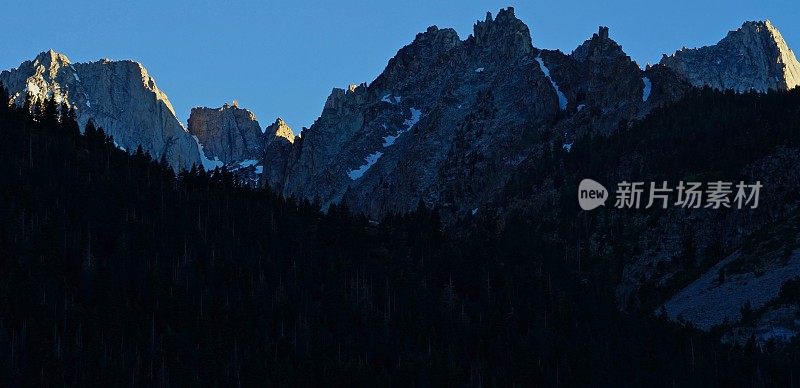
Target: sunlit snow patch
<point>370,160</point>
<point>562,99</point>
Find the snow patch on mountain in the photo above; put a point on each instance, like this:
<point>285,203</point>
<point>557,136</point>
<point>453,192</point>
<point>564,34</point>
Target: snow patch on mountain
<point>648,87</point>
<point>415,116</point>
<point>370,160</point>
<point>562,99</point>
<point>248,163</point>
<point>208,164</point>
<point>390,99</point>
<point>120,147</point>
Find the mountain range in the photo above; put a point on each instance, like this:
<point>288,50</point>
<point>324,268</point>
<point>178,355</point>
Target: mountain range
<point>450,123</point>
<point>446,122</point>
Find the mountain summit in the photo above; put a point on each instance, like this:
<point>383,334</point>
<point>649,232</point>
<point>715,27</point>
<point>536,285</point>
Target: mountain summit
<point>228,134</point>
<point>119,96</point>
<point>754,57</point>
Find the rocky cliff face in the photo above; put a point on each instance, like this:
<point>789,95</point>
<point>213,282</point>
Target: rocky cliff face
<point>119,96</point>
<point>228,134</point>
<point>754,57</point>
<point>449,119</point>
<point>232,137</point>
<point>278,141</point>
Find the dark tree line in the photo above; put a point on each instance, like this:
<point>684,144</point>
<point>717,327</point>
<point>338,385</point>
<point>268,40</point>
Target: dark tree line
<point>116,271</point>
<point>704,137</point>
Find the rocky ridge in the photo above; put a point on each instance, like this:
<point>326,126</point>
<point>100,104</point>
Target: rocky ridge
<point>753,57</point>
<point>119,96</point>
<point>448,119</point>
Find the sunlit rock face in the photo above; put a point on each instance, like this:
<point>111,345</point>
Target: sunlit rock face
<point>119,96</point>
<point>232,138</point>
<point>280,131</point>
<point>228,134</point>
<point>278,141</point>
<point>449,121</point>
<point>754,57</point>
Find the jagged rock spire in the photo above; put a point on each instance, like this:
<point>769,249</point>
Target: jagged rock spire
<point>52,61</point>
<point>278,142</point>
<point>505,32</point>
<point>599,46</point>
<point>280,129</point>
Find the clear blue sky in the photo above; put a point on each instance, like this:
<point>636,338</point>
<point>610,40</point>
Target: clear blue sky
<point>281,58</point>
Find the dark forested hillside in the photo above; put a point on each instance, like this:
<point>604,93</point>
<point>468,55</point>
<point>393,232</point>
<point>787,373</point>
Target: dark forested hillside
<point>650,253</point>
<point>114,271</point>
